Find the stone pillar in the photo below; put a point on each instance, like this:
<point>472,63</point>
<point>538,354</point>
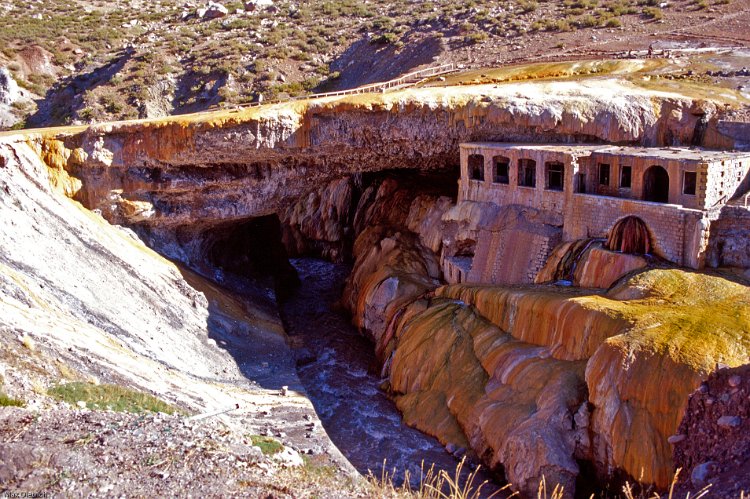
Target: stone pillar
<point>695,242</point>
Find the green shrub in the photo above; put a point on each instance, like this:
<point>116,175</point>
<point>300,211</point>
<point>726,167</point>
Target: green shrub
<point>112,397</point>
<point>563,25</point>
<point>476,38</point>
<point>268,446</point>
<point>653,13</point>
<point>528,6</point>
<point>386,38</point>
<point>6,401</point>
<point>588,21</point>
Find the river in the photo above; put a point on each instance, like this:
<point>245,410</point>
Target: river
<point>360,419</point>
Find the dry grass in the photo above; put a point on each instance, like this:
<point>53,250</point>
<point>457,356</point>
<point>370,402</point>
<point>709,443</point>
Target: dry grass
<point>433,484</point>
<point>287,51</point>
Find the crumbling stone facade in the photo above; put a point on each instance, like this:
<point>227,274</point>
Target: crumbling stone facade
<point>677,192</point>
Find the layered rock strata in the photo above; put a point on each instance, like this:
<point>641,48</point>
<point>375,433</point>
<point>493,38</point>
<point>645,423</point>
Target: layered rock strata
<point>602,377</point>
<point>234,165</point>
<point>82,300</point>
<point>642,355</point>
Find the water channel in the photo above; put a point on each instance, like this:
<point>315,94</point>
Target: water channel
<point>360,419</point>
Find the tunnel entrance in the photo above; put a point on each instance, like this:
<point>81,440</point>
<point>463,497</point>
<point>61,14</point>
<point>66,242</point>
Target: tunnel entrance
<point>629,235</point>
<point>252,249</point>
<point>656,185</point>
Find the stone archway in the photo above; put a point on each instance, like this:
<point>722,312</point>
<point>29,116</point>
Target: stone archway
<point>656,184</point>
<point>629,235</point>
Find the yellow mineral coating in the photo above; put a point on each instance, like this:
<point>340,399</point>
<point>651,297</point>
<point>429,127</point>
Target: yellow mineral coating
<point>545,316</point>
<point>162,141</point>
<point>549,70</point>
<point>454,369</point>
<point>651,340</point>
<point>428,411</point>
<point>640,398</point>
<point>434,357</point>
<point>57,157</point>
<point>600,268</point>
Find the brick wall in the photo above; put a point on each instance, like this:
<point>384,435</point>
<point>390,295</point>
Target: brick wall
<point>676,232</point>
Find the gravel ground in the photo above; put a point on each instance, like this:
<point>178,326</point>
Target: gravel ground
<point>106,454</point>
<point>712,445</point>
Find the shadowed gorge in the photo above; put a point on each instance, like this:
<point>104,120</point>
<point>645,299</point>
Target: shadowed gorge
<point>525,289</point>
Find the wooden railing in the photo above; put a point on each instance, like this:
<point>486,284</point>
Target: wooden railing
<point>407,80</point>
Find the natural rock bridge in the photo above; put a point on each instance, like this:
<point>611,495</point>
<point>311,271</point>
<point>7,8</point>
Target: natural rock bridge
<point>600,377</point>
<point>233,165</point>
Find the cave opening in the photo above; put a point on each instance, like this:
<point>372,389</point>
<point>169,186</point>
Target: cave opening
<point>251,249</point>
<point>305,252</point>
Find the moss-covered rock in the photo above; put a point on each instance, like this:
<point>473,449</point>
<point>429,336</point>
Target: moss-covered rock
<point>603,377</point>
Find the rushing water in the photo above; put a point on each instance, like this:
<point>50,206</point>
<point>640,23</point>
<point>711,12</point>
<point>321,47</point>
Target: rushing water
<point>360,419</point>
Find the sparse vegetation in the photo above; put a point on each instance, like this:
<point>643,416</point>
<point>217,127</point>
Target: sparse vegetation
<point>267,445</point>
<point>6,401</point>
<point>109,397</point>
<point>654,13</point>
<point>121,55</point>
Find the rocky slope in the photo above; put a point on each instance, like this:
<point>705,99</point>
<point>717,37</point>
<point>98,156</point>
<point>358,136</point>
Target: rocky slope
<point>86,61</point>
<point>86,301</point>
<point>712,441</point>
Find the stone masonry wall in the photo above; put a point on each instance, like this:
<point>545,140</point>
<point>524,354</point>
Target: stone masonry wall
<point>511,256</point>
<point>726,179</point>
<point>728,240</point>
<point>474,190</point>
<point>672,228</point>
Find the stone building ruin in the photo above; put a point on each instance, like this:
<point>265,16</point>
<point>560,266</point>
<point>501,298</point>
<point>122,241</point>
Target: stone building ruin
<point>692,202</point>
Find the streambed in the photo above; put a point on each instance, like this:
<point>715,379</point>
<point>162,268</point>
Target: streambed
<point>360,419</point>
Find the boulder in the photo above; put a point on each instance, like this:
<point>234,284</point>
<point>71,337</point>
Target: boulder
<point>213,11</point>
<point>256,5</point>
<point>9,89</point>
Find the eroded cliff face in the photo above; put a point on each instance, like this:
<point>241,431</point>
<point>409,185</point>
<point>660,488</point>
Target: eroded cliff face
<point>233,165</point>
<point>82,300</point>
<point>642,357</point>
<point>532,379</point>
<point>535,379</point>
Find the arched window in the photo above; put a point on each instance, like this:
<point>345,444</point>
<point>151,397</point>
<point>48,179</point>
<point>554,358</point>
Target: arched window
<point>555,175</point>
<point>656,184</point>
<point>527,172</point>
<point>501,172</point>
<point>476,167</point>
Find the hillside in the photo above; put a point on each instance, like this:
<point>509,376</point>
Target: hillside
<point>93,61</point>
